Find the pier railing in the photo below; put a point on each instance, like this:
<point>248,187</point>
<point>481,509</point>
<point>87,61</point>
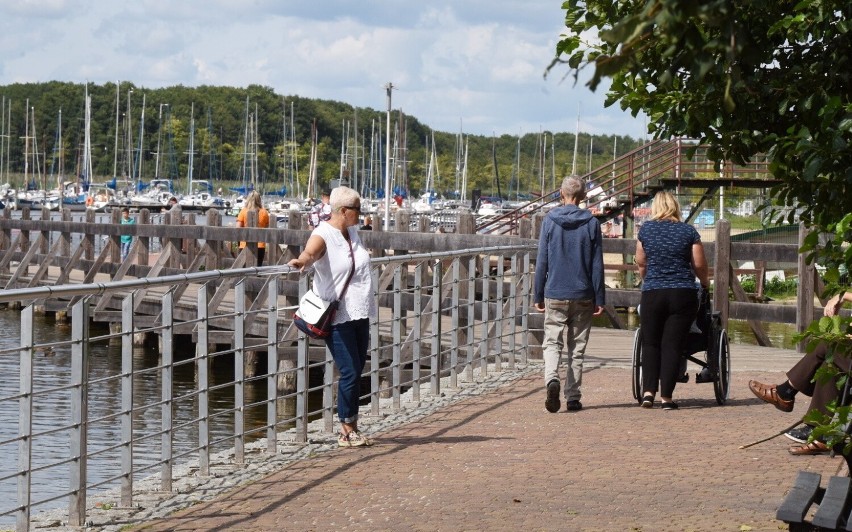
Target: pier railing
<point>73,424</point>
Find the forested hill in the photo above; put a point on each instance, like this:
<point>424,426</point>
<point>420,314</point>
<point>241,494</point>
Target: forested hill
<point>230,123</point>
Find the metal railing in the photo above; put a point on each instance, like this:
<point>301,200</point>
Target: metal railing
<point>77,418</point>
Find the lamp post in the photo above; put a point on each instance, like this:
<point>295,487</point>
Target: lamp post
<point>388,88</point>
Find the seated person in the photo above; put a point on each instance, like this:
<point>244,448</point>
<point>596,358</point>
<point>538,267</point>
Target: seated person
<point>800,379</point>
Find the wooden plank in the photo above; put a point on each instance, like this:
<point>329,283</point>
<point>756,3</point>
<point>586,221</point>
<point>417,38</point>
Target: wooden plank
<point>755,325</point>
<point>833,503</point>
<point>801,496</point>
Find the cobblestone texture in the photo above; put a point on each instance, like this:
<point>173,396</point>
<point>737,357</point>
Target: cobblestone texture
<point>488,456</point>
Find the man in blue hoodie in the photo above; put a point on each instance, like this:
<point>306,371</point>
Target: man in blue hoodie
<point>569,289</point>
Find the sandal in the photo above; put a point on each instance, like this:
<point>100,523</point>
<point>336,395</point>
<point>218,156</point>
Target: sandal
<point>813,448</point>
<point>647,401</point>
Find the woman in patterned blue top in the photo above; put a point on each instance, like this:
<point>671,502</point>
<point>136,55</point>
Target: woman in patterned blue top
<point>670,256</point>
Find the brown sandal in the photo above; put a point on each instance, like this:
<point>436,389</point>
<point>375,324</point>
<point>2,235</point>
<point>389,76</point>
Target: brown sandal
<point>812,448</point>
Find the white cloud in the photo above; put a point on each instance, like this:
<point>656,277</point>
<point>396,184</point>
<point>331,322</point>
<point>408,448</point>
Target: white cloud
<point>479,62</point>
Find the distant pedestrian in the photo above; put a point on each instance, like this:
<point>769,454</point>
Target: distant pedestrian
<point>569,289</point>
<point>254,203</point>
<point>670,256</point>
<point>321,212</point>
<point>368,223</point>
<point>126,239</point>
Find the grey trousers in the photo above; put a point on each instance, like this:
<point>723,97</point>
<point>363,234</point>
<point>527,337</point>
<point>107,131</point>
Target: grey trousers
<point>566,331</point>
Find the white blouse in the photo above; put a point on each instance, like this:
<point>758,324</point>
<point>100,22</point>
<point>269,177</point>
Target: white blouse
<point>331,271</point>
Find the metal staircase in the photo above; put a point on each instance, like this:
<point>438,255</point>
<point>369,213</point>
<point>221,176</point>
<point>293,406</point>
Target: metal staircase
<point>618,187</point>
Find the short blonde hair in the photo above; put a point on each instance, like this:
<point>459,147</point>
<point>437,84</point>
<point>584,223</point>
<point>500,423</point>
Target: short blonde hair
<point>343,197</point>
<point>665,207</point>
<point>573,188</point>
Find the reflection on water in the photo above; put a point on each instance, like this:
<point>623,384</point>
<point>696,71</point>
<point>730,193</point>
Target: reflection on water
<point>739,331</point>
<point>53,409</point>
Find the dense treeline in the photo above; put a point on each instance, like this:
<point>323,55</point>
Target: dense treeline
<point>245,136</point>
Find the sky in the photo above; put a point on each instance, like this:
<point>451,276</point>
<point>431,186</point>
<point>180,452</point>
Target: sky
<point>474,66</point>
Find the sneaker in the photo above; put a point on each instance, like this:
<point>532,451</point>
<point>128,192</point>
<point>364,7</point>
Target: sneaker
<point>552,401</point>
<point>574,405</point>
<point>669,406</point>
<point>353,439</point>
<point>800,435</point>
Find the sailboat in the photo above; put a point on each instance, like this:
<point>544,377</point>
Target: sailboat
<point>428,201</point>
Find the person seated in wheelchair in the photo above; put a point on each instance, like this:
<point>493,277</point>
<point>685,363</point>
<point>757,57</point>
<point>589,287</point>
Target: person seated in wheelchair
<point>800,378</point>
<point>670,256</point>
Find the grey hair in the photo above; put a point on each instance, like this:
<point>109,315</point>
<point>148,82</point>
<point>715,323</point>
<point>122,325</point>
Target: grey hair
<point>573,188</point>
<point>343,197</point>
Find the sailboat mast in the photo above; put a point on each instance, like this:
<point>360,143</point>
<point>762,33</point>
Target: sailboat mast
<point>27,145</point>
<point>191,151</point>
<point>576,140</point>
<point>115,151</point>
<point>87,139</point>
<point>141,137</point>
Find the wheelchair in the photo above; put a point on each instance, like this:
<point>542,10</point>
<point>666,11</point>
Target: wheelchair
<point>712,341</point>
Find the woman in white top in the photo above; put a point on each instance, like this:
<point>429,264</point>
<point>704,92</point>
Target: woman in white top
<point>331,249</point>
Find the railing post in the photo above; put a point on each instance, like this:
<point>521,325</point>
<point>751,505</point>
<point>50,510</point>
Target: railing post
<point>272,364</point>
<point>435,363</point>
<point>115,240</point>
<point>79,411</point>
<point>143,243</point>
<point>470,327</point>
<point>167,363</point>
<point>498,311</point>
<point>374,350</point>
<point>25,235</point>
<point>721,271</point>
<point>45,240</point>
<point>416,348</point>
<point>805,291</point>
<point>239,369</point>
<point>526,295</point>
<point>484,349</point>
<point>88,238</point>
<point>25,420</point>
<point>127,305</point>
<point>513,309</point>
<point>454,321</point>
<point>302,382</point>
<point>396,328</point>
<point>65,246</point>
<point>202,368</point>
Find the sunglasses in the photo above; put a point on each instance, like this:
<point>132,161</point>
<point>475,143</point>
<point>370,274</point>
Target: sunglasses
<point>356,208</point>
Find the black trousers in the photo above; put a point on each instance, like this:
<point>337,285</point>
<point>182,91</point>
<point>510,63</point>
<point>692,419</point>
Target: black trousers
<point>666,316</point>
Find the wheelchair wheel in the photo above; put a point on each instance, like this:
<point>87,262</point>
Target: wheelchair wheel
<point>723,368</point>
<point>637,365</point>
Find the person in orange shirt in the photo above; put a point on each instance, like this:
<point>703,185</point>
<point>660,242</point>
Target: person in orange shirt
<point>253,203</point>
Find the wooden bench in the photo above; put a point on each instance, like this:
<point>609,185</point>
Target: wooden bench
<point>834,509</point>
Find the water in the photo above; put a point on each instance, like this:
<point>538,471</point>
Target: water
<point>54,409</point>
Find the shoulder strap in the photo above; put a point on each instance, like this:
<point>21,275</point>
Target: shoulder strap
<point>351,270</point>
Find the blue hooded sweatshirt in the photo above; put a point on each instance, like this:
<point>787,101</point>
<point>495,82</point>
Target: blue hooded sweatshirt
<point>570,257</point>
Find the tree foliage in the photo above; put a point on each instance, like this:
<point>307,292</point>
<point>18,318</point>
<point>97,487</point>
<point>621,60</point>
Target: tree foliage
<point>745,77</point>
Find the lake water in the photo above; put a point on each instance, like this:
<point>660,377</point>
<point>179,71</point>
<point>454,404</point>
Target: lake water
<point>54,409</point>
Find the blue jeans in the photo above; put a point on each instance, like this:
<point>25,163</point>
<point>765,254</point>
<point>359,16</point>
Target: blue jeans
<point>125,249</point>
<point>348,344</point>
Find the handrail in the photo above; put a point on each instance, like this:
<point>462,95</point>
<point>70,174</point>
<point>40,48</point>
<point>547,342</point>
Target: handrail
<point>451,314</point>
<point>631,178</point>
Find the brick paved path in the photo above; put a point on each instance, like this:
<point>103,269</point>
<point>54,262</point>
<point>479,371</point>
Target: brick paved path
<point>501,462</point>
